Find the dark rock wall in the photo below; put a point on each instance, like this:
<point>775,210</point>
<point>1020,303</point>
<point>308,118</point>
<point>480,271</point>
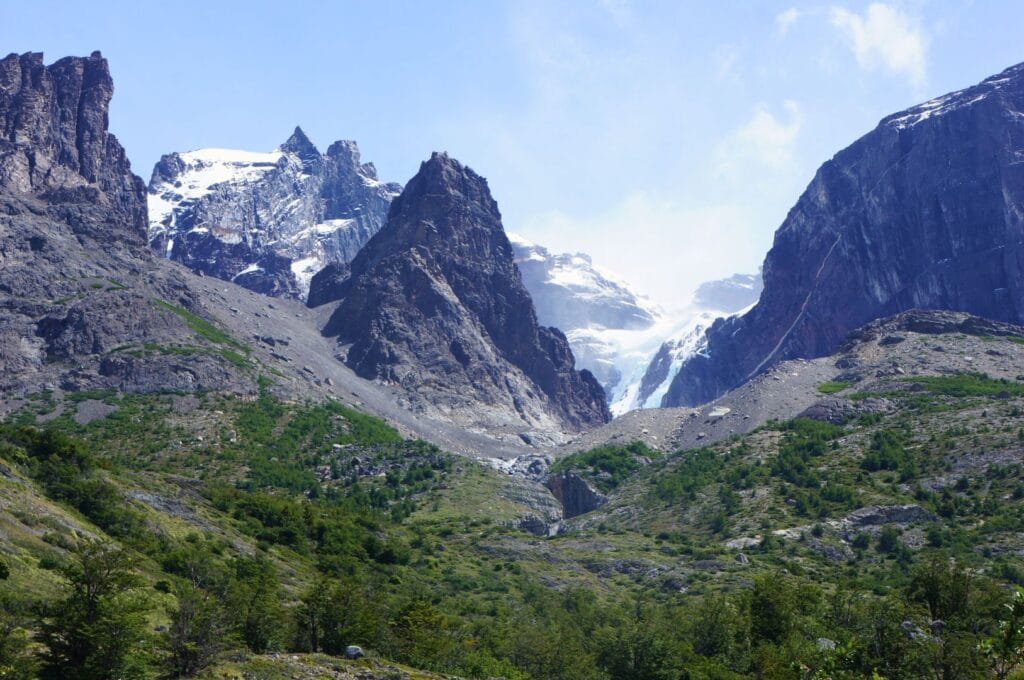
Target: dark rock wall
<point>54,142</point>
<point>436,296</point>
<point>925,211</point>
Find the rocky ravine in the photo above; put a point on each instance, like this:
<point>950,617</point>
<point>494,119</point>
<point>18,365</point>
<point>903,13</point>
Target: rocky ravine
<point>435,305</point>
<point>925,211</point>
<point>267,221</point>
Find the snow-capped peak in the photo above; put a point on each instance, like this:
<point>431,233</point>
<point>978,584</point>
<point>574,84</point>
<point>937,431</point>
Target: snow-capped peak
<point>266,220</point>
<point>954,100</point>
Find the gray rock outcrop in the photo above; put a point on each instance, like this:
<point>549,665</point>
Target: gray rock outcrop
<point>575,494</point>
<point>77,281</point>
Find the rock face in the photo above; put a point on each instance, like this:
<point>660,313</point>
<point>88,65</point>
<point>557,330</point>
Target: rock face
<point>267,221</point>
<point>575,494</point>
<point>77,282</point>
<point>54,143</point>
<point>926,211</point>
<point>436,304</point>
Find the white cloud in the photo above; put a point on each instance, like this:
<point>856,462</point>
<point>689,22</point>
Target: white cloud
<point>885,37</point>
<point>764,141</point>
<point>785,20</point>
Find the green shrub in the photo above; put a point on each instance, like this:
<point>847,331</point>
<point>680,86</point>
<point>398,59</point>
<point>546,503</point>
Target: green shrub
<point>608,466</point>
<point>833,386</point>
<point>202,327</point>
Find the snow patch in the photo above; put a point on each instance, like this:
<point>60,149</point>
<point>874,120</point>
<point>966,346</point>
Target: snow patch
<point>203,170</point>
<point>248,270</point>
<point>304,269</point>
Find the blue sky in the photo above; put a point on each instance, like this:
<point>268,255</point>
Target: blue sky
<point>666,139</point>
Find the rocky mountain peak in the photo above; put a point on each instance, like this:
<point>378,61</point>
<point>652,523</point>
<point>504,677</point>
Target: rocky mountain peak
<point>267,221</point>
<point>444,175</point>
<point>300,145</point>
<point>345,152</point>
<point>54,141</point>
<point>448,202</point>
<point>436,304</point>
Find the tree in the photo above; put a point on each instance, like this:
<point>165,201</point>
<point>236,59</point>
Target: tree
<point>199,631</point>
<point>641,648</point>
<point>356,614</point>
<point>97,632</point>
<point>888,539</point>
<point>773,609</point>
<point>943,586</point>
<point>716,626</point>
<point>16,660</point>
<point>1006,648</point>
<point>312,619</point>
<point>424,636</point>
<point>254,597</point>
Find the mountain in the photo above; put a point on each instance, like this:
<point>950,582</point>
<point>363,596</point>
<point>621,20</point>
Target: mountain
<point>434,303</point>
<point>267,221</point>
<point>730,294</point>
<point>678,337</point>
<point>79,288</point>
<point>86,304</point>
<point>190,484</point>
<point>586,303</point>
<point>630,345</point>
<point>571,289</point>
<point>924,211</point>
<point>55,144</point>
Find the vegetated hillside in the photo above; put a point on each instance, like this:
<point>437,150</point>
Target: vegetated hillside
<point>883,536</point>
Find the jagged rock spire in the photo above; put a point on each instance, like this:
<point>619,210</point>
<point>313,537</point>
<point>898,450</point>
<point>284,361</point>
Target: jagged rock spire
<point>300,145</point>
<point>435,302</point>
<point>54,138</point>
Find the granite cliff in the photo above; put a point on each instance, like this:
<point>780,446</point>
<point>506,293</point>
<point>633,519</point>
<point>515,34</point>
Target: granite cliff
<point>925,211</point>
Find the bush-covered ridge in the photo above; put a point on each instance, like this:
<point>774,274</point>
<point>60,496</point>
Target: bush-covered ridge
<point>608,466</point>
